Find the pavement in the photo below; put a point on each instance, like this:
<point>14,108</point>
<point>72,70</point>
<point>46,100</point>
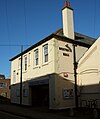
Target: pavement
<point>41,112</point>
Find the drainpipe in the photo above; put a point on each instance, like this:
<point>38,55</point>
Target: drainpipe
<point>21,75</point>
<point>75,75</point>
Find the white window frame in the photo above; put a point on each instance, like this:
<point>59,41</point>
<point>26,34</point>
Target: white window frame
<point>45,53</point>
<point>25,62</point>
<point>14,76</point>
<point>36,57</point>
<point>29,59</point>
<point>19,63</point>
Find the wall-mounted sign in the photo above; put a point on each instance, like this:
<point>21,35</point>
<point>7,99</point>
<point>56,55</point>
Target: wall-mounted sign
<point>66,54</point>
<point>67,93</point>
<point>66,49</point>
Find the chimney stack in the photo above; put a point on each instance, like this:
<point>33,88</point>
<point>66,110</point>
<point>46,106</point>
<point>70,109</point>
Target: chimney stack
<point>68,25</point>
<point>66,4</point>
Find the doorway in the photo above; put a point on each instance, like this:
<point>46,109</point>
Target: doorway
<point>40,95</point>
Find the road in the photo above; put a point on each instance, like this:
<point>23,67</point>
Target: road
<point>4,115</point>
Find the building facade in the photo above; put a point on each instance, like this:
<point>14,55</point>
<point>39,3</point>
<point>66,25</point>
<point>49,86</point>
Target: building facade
<point>4,87</point>
<point>43,74</point>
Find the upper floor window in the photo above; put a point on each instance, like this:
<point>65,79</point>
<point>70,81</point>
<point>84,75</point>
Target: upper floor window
<point>36,57</point>
<point>45,52</point>
<point>19,63</point>
<point>14,76</point>
<point>25,62</point>
<point>29,59</point>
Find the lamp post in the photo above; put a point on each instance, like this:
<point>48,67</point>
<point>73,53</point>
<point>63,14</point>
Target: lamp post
<point>75,75</point>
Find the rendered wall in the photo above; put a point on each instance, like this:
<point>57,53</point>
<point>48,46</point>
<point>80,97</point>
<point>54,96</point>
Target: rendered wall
<point>88,74</point>
<point>59,66</point>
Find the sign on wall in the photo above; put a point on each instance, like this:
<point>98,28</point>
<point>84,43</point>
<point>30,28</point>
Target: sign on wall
<point>67,93</point>
<point>66,49</point>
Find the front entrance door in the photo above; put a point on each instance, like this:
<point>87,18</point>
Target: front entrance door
<point>40,95</point>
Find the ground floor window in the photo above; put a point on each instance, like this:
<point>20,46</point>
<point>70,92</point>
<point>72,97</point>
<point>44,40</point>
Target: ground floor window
<point>25,92</point>
<point>17,92</point>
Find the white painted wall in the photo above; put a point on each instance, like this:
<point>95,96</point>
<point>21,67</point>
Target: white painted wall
<point>88,66</point>
<point>89,73</point>
<point>64,64</point>
<point>57,63</point>
<point>35,71</point>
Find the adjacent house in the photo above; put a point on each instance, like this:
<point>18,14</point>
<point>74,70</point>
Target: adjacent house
<point>4,87</point>
<point>89,76</point>
<point>44,74</point>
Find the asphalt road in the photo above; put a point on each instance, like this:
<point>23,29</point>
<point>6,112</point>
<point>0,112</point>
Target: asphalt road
<point>4,115</point>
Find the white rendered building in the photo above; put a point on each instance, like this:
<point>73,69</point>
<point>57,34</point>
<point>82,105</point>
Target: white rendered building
<point>47,74</point>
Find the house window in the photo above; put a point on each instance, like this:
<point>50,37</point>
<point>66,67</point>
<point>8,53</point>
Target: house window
<point>36,56</point>
<point>3,85</point>
<point>25,92</point>
<point>14,76</point>
<point>25,62</point>
<point>17,92</point>
<point>19,63</point>
<point>29,58</point>
<point>45,52</point>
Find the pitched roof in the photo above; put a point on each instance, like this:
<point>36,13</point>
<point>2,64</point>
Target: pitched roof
<point>80,39</point>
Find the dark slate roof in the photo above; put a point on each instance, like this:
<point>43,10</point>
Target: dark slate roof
<point>80,39</point>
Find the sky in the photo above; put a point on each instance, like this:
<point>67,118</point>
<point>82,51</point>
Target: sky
<point>25,22</point>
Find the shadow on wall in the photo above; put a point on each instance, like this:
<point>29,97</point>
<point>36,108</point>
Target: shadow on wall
<point>53,89</point>
<point>60,88</point>
<point>90,96</point>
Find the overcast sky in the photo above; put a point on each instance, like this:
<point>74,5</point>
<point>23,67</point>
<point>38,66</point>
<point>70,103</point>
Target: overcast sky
<point>25,22</point>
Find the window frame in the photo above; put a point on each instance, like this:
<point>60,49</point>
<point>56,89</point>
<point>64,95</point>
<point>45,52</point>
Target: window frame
<point>25,62</point>
<point>25,92</point>
<point>29,59</point>
<point>17,92</point>
<point>45,53</point>
<point>14,76</point>
<point>19,63</point>
<point>36,57</point>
